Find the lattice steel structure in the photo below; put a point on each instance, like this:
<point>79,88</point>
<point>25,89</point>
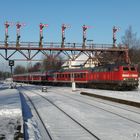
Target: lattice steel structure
<point>29,50</point>
<point>71,50</point>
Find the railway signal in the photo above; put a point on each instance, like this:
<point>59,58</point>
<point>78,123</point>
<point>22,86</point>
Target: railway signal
<point>7,24</point>
<point>84,34</point>
<point>18,26</point>
<point>63,27</point>
<point>115,29</point>
<point>41,26</point>
<point>11,64</point>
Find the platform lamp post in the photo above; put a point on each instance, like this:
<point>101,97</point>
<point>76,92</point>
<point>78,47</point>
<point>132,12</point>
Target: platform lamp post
<point>115,29</point>
<point>73,84</point>
<point>63,28</point>
<point>18,26</point>
<point>7,24</point>
<point>41,26</point>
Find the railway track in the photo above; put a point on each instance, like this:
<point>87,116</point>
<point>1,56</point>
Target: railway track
<point>76,98</point>
<point>109,103</point>
<point>92,135</point>
<point>36,113</point>
<point>90,104</point>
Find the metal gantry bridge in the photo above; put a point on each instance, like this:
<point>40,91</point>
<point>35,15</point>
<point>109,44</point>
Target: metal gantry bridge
<point>29,50</point>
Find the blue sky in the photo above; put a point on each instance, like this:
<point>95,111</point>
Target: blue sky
<point>101,14</point>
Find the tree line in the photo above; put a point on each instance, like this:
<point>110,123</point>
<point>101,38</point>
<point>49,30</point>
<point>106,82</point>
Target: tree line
<point>50,62</point>
<point>4,75</point>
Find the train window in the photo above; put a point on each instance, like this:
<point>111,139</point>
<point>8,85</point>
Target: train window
<point>81,75</point>
<point>105,69</point>
<point>133,69</point>
<point>125,68</point>
<point>101,70</point>
<point>84,75</point>
<point>116,69</point>
<point>75,75</point>
<point>109,69</point>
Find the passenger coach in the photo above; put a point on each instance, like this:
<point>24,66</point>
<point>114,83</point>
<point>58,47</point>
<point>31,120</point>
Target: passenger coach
<point>109,76</point>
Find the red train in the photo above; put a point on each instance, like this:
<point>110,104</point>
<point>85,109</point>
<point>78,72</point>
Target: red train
<point>109,76</point>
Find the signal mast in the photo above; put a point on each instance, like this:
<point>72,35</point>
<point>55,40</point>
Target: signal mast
<point>7,24</point>
<point>18,26</point>
<point>63,27</point>
<point>84,35</point>
<point>115,29</point>
<point>41,26</point>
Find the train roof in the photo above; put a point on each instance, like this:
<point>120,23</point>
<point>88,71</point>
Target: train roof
<point>32,73</point>
<point>108,66</point>
<point>75,70</point>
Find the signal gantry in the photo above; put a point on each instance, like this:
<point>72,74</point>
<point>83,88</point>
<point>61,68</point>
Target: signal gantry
<point>71,50</point>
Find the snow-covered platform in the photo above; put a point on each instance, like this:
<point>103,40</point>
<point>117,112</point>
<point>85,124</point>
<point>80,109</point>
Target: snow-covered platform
<point>10,114</point>
<point>125,97</point>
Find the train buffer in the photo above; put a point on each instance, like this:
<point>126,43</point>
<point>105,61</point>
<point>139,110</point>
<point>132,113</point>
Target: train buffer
<point>44,88</point>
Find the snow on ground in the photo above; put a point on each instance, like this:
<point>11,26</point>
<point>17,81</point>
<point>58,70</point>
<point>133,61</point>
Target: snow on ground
<point>10,113</point>
<point>126,95</point>
<point>4,86</point>
<point>30,123</point>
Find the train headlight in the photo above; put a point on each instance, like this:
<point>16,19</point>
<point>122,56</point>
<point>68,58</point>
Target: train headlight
<point>124,79</point>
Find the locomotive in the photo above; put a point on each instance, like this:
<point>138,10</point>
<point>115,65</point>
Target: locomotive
<point>109,76</point>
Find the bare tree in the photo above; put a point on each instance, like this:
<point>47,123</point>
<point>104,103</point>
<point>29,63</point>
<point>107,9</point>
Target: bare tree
<point>130,38</point>
<point>19,69</point>
<point>4,75</point>
<point>52,63</point>
<point>35,68</point>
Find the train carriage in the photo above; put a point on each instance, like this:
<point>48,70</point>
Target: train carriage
<point>110,76</point>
